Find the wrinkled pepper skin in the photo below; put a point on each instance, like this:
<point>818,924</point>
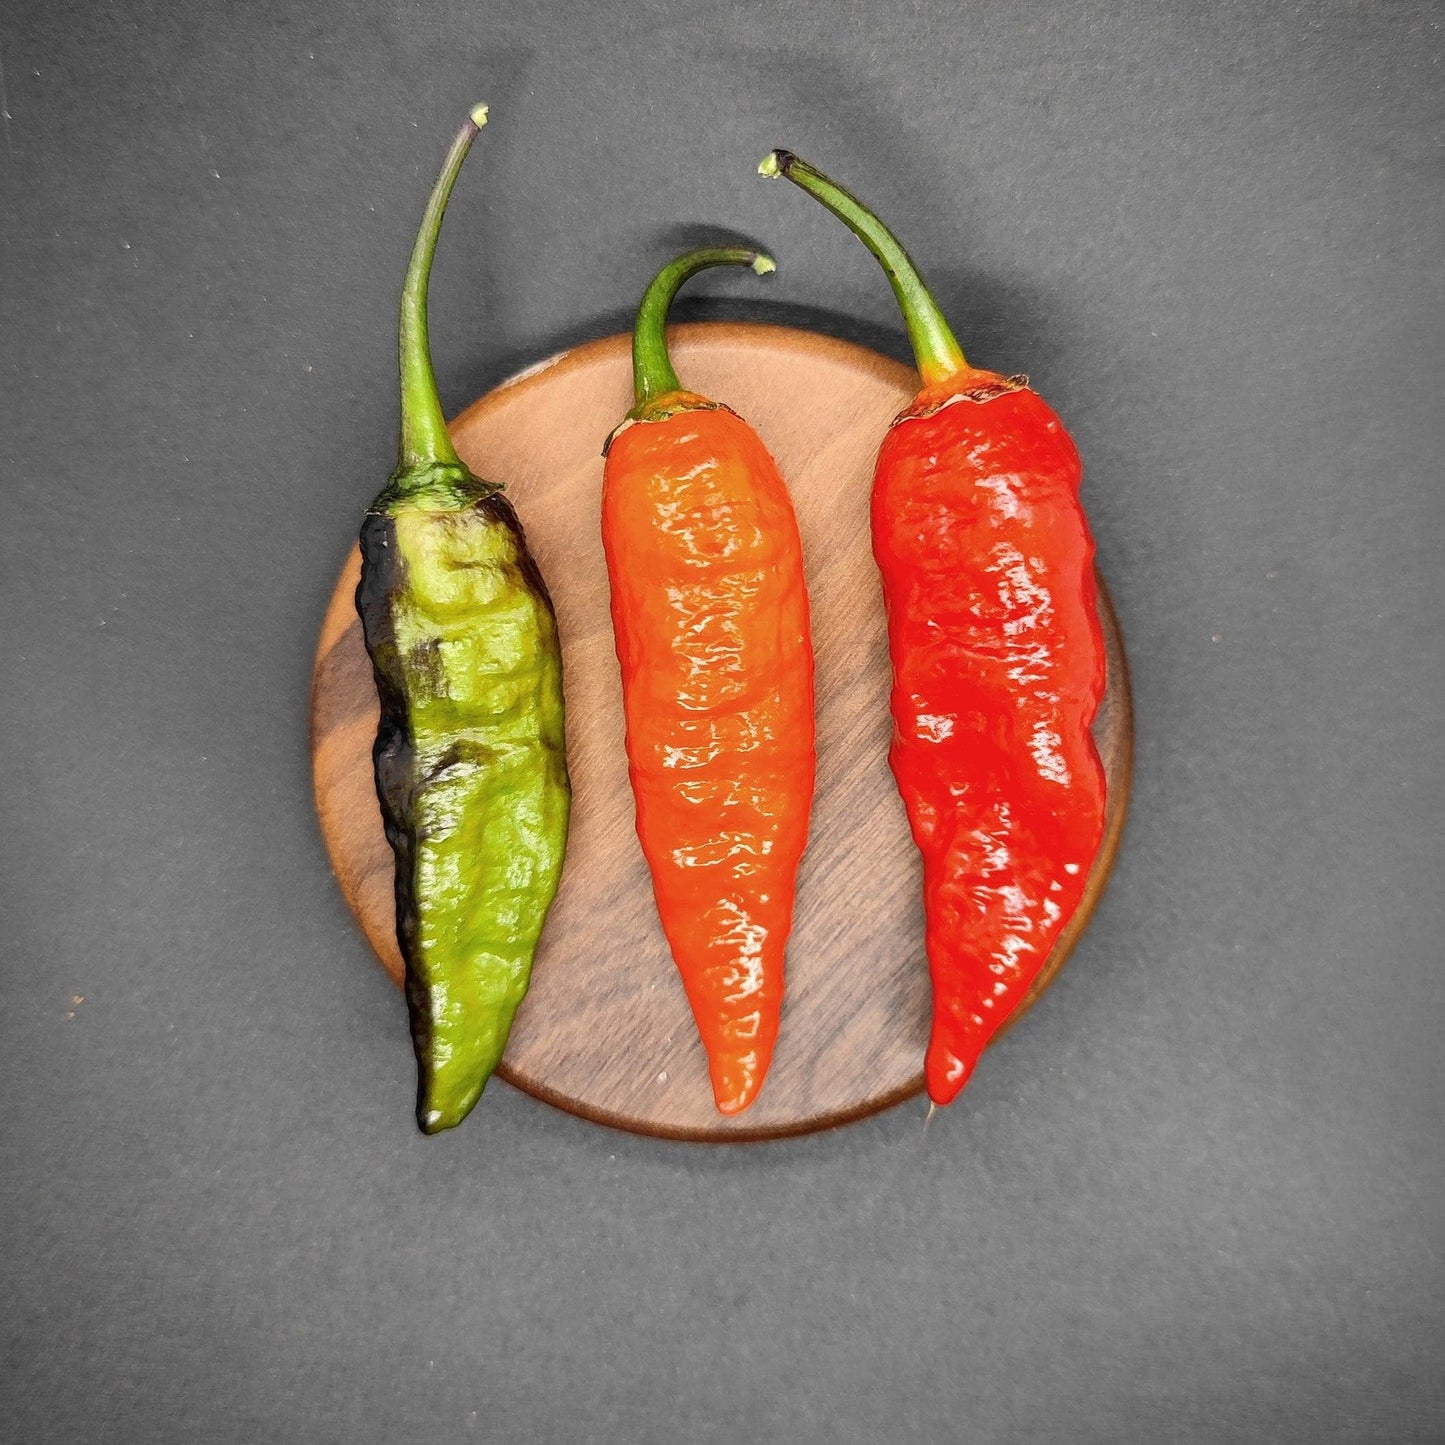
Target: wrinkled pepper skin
<point>710,616</point>
<point>986,562</point>
<point>470,765</point>
<point>998,669</point>
<point>470,769</point>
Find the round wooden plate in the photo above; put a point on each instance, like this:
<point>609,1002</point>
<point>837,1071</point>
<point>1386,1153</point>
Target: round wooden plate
<point>605,1031</point>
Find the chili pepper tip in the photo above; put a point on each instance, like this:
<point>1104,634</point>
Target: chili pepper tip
<point>478,114</point>
<point>776,163</point>
<point>764,265</point>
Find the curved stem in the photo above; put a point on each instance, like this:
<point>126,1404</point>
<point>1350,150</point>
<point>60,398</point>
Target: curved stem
<point>938,355</point>
<point>652,373</point>
<point>424,437</point>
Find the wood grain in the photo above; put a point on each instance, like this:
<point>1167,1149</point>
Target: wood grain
<point>605,1031</point>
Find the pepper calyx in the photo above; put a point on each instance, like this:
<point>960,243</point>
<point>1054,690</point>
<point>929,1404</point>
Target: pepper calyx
<point>978,387</point>
<point>660,408</point>
<point>435,487</point>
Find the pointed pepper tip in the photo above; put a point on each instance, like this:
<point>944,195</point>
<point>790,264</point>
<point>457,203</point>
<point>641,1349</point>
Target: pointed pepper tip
<point>432,1121</point>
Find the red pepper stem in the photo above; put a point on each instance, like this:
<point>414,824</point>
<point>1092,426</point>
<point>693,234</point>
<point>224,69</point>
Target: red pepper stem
<point>424,437</point>
<point>937,354</point>
<point>652,373</point>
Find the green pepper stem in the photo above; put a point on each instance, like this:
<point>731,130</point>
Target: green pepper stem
<point>652,373</point>
<point>936,352</point>
<point>424,437</point>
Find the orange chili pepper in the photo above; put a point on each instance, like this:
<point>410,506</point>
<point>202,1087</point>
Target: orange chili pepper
<point>710,613</point>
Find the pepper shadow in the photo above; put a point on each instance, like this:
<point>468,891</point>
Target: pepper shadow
<point>722,293</point>
<point>1002,322</point>
<point>850,123</point>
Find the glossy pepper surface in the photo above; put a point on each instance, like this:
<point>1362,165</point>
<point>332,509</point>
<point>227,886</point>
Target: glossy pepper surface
<point>998,662</point>
<point>710,615</point>
<point>470,768</point>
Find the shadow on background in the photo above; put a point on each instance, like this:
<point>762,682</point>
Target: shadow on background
<point>1010,329</point>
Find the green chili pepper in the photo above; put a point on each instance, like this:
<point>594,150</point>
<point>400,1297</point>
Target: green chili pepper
<point>470,764</point>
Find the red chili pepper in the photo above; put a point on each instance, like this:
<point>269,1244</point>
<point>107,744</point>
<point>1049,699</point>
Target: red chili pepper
<point>710,613</point>
<point>998,661</point>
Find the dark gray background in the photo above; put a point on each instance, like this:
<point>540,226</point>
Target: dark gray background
<point>1197,1197</point>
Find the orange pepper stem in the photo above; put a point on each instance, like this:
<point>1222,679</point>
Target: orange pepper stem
<point>424,437</point>
<point>652,373</point>
<point>935,350</point>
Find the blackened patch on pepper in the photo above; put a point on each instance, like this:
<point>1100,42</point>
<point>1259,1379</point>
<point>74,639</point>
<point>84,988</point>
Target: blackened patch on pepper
<point>498,508</point>
<point>383,578</point>
<point>424,666</point>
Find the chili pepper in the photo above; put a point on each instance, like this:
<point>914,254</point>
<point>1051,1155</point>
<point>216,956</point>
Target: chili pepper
<point>710,614</point>
<point>469,757</point>
<point>998,661</point>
